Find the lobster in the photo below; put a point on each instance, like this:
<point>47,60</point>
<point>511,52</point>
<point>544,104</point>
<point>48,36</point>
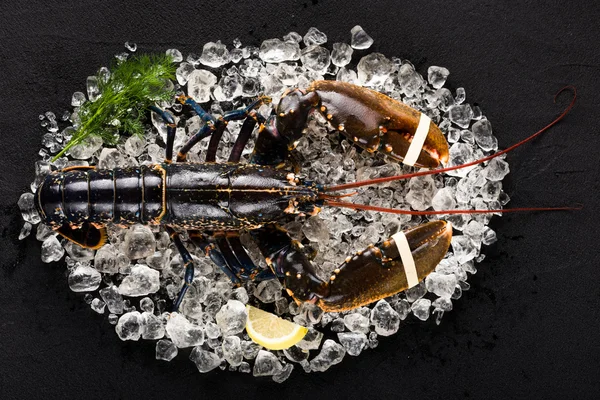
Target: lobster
<point>215,201</point>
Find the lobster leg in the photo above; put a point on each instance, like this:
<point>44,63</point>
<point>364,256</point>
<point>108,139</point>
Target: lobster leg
<point>377,272</point>
<point>215,139</point>
<point>204,132</point>
<point>232,262</point>
<point>188,263</point>
<point>216,126</point>
<point>171,129</point>
<point>238,261</point>
<point>244,135</point>
<point>215,255</point>
<point>252,271</point>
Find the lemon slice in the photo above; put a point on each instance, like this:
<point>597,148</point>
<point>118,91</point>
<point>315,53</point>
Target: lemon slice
<point>272,332</point>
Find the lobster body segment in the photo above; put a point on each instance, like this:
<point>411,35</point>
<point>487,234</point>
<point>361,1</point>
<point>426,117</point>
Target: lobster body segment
<point>209,196</point>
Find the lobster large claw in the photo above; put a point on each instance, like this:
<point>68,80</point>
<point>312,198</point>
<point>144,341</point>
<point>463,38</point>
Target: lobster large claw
<point>377,122</point>
<point>379,271</point>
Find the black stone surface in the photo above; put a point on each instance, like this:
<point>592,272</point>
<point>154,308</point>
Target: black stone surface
<point>529,326</point>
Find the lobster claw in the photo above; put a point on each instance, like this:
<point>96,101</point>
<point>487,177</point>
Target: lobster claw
<point>377,122</point>
<point>379,271</point>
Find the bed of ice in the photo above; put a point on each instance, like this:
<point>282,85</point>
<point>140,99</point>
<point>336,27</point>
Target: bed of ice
<point>133,279</point>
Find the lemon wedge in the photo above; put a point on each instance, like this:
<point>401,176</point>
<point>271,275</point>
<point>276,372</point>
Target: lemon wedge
<point>272,332</point>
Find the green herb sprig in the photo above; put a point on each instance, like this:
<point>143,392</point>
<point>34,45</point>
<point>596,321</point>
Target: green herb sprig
<point>133,86</point>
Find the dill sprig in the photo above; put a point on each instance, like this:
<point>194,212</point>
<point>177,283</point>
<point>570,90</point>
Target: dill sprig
<point>133,86</point>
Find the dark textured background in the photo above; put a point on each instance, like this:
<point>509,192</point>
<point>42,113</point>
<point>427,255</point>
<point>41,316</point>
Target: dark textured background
<point>527,329</point>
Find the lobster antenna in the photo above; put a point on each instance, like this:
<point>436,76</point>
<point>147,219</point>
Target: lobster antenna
<point>376,181</point>
<point>345,204</point>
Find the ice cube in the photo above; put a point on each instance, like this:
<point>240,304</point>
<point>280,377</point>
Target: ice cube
<point>489,236</point>
<point>84,278</point>
<point>113,299</point>
<point>250,349</point>
<point>147,305</point>
<point>153,326</point>
<point>44,232</point>
<point>232,318</point>
<point>416,292</point>
<point>482,132</point>
<point>461,115</point>
<point>130,326</point>
<point>296,354</point>
<point>134,145</point>
<point>183,72</point>
<point>131,46</point>
<point>78,99</point>
<point>315,58</point>
<point>268,291</point>
<point>341,55</point>
<point>93,90</point>
<point>385,319</point>
<point>205,360</point>
<point>25,231</point>
<point>314,36</point>
<point>491,190</point>
<point>442,304</point>
<point>294,37</point>
<point>360,39</point>
<point>165,350</point>
<point>52,250</point>
<point>437,76</point>
<point>421,192</point>
<point>316,230</point>
<point>98,306</point>
<point>347,75</point>
<point>200,83</point>
<point>374,69</point>
<point>353,342</point>
<point>284,374</point>
<point>86,148</point>
<point>232,350</point>
<point>183,333</point>
<point>215,55</point>
<point>332,353</point>
<point>464,248</point>
<point>441,285</point>
<point>409,80</point>
<point>175,55</point>
<point>312,340</point>
<point>420,309</point>
<point>79,253</point>
<point>444,199</point>
<point>276,51</point>
<point>266,364</point>
<point>139,242</point>
<point>142,281</point>
<point>212,330</point>
<point>356,323</point>
<point>402,307</point>
<point>28,210</point>
<point>496,170</point>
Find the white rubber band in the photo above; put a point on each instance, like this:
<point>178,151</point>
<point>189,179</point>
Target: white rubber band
<point>410,269</point>
<point>417,143</point>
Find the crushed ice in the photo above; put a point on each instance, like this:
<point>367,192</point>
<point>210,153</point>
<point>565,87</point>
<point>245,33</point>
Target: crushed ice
<point>135,277</point>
